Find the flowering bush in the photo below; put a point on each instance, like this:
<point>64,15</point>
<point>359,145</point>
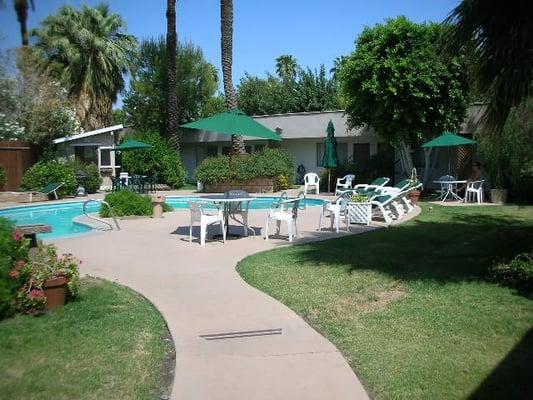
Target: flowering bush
<point>44,265</point>
<point>13,257</point>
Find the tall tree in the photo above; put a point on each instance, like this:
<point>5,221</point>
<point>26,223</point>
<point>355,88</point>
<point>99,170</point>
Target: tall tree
<point>226,45</point>
<point>89,53</point>
<point>21,8</point>
<point>286,66</point>
<point>396,82</point>
<point>145,103</point>
<point>500,33</point>
<point>172,100</point>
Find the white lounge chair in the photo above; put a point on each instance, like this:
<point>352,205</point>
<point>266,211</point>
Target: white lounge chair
<point>387,205</point>
<point>205,218</point>
<point>311,180</point>
<point>285,210</point>
<point>344,183</point>
<point>336,211</point>
<point>474,191</point>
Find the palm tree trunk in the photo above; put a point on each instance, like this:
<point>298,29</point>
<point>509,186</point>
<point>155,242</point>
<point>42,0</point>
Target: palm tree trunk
<point>172,100</point>
<point>21,8</point>
<point>226,45</point>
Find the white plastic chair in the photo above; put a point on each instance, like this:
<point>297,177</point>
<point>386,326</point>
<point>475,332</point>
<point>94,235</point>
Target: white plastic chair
<point>474,191</point>
<point>311,180</point>
<point>336,211</point>
<point>344,183</point>
<point>124,178</point>
<point>284,211</point>
<point>239,209</point>
<point>199,215</point>
<point>444,186</point>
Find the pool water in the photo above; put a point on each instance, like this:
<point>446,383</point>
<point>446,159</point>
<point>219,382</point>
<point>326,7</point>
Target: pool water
<point>59,215</point>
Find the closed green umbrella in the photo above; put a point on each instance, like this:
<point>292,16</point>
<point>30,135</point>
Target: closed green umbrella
<point>233,122</point>
<point>448,139</point>
<point>331,158</point>
<point>132,144</point>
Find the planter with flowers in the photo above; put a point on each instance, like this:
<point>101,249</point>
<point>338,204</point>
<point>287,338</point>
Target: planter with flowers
<point>47,280</point>
<point>415,188</point>
<point>360,209</point>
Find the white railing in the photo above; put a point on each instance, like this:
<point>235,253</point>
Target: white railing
<point>111,212</point>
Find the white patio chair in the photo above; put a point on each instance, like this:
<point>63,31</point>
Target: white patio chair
<point>444,186</point>
<point>336,210</point>
<point>344,183</point>
<point>474,191</point>
<point>239,209</point>
<point>311,180</point>
<point>285,211</point>
<point>124,178</point>
<point>205,218</point>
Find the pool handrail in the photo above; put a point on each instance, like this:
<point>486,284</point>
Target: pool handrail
<point>111,212</point>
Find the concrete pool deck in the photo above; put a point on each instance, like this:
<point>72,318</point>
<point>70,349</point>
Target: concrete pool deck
<point>198,292</point>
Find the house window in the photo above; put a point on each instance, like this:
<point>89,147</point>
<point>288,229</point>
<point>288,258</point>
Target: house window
<point>212,151</point>
<point>225,150</point>
<point>105,157</point>
<point>248,149</point>
<point>86,154</point>
<point>259,147</point>
<point>342,153</point>
<point>361,153</point>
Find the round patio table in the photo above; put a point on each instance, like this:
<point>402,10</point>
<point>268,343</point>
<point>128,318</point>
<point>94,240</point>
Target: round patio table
<point>226,202</point>
<point>451,189</point>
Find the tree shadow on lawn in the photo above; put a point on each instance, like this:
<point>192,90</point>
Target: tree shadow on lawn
<point>463,247</point>
<point>512,377</point>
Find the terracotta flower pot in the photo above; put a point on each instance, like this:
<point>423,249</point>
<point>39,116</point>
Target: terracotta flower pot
<point>414,196</point>
<point>55,291</point>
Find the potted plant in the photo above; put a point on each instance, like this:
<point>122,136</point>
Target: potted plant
<point>360,209</point>
<point>47,280</point>
<point>416,185</point>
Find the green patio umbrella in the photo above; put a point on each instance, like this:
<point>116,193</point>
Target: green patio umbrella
<point>448,139</point>
<point>331,158</point>
<point>233,122</point>
<point>133,145</point>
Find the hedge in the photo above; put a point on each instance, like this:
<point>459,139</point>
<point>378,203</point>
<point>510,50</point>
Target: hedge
<point>271,163</point>
<point>45,172</point>
<point>127,203</point>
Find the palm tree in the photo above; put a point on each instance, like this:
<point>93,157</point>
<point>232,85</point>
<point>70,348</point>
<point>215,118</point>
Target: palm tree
<point>172,99</point>
<point>226,45</point>
<point>500,35</point>
<point>337,64</point>
<point>21,8</point>
<point>88,52</point>
<point>286,66</point>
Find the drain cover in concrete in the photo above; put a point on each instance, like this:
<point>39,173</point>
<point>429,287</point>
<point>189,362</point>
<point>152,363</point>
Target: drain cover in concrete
<point>241,334</point>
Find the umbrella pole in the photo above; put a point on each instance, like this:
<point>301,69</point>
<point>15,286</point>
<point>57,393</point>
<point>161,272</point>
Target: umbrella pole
<point>329,180</point>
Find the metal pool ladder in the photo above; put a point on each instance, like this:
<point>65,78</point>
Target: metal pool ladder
<point>111,212</point>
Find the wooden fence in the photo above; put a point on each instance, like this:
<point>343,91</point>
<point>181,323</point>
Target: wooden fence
<point>16,157</point>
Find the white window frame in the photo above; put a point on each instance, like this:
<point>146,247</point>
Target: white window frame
<point>113,167</point>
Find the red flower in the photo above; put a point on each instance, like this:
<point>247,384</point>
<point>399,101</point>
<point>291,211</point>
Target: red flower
<point>20,264</point>
<point>14,274</point>
<point>18,235</point>
<point>36,294</point>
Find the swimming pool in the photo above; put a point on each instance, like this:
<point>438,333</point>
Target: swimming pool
<point>59,215</point>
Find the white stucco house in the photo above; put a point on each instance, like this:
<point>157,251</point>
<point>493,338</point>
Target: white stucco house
<point>302,136</point>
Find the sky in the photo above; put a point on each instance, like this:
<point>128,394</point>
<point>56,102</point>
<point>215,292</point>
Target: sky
<point>313,31</point>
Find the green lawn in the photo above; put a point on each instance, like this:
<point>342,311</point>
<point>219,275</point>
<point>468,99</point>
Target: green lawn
<point>411,307</point>
<point>108,344</point>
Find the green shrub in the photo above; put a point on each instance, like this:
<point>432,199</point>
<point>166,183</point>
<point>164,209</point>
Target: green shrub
<point>271,163</point>
<point>3,177</point>
<point>93,181</point>
<point>13,256</point>
<point>126,203</point>
<point>517,273</point>
<point>161,160</point>
<point>45,172</point>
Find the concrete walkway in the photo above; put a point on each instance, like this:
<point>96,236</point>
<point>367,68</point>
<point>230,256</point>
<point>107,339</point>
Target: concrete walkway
<point>198,292</point>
